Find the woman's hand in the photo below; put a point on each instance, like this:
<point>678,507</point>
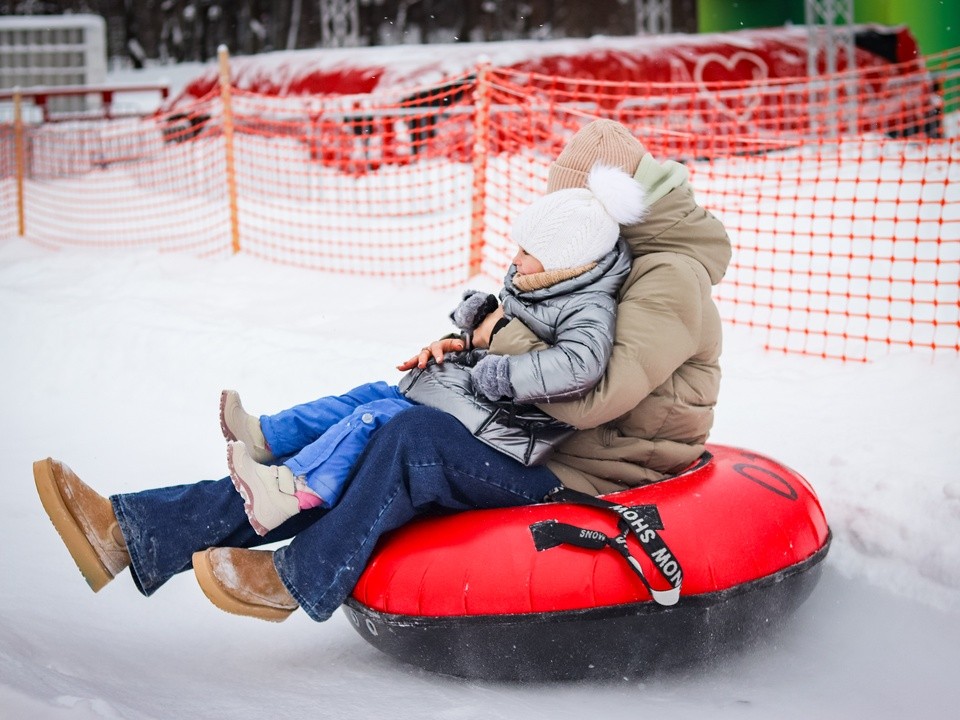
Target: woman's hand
<point>481,335</point>
<point>436,350</point>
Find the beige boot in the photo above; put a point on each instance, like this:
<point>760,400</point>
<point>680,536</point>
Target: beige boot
<point>243,582</point>
<point>267,490</point>
<point>237,424</point>
<point>85,521</point>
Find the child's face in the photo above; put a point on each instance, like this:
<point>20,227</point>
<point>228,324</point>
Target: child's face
<point>526,263</point>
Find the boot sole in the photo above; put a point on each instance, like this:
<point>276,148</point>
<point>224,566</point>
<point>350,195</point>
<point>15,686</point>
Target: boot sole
<point>219,596</point>
<point>258,455</point>
<point>66,525</point>
<point>223,425</point>
<point>246,492</point>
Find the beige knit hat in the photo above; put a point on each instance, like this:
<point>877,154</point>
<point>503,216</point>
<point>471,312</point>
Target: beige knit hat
<point>601,141</point>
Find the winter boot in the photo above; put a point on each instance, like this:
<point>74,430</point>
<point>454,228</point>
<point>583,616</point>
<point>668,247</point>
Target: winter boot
<point>243,582</point>
<point>237,424</point>
<point>267,490</point>
<point>85,521</point>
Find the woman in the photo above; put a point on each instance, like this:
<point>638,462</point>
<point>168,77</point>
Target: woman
<point>648,417</point>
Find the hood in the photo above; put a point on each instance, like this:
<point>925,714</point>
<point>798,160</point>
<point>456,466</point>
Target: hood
<point>676,223</point>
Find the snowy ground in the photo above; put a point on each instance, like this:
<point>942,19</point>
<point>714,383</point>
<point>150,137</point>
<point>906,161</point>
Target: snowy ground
<point>113,362</point>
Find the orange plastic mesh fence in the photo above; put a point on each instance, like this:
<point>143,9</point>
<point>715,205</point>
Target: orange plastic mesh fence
<point>359,184</point>
<point>841,196</point>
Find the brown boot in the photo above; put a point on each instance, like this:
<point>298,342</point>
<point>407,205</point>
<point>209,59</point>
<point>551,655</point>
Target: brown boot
<point>85,521</point>
<point>243,582</point>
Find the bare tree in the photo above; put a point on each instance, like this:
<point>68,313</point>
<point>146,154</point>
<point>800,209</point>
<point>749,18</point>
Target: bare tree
<point>293,29</point>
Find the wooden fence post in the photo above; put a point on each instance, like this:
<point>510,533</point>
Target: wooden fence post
<point>223,56</point>
<point>19,159</point>
<point>481,146</point>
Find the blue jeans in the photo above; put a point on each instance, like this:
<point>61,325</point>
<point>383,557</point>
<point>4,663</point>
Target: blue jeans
<point>423,460</point>
<point>326,436</point>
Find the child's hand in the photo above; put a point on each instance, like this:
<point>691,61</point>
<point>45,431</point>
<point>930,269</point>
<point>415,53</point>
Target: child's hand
<point>491,376</point>
<point>481,335</point>
<point>474,307</point>
<point>436,350</point>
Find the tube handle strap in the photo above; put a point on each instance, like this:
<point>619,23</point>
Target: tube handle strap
<point>642,521</point>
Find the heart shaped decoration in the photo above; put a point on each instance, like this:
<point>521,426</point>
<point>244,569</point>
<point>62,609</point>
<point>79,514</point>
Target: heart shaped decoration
<point>738,104</point>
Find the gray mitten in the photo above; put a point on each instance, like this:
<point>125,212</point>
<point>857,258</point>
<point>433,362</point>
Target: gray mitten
<point>491,376</point>
<point>474,307</point>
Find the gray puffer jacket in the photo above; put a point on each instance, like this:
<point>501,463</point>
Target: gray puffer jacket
<point>576,318</point>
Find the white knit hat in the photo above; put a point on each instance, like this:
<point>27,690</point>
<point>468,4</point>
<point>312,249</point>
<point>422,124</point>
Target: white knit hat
<point>570,228</point>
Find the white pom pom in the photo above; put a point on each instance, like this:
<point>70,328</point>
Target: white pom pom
<point>622,197</point>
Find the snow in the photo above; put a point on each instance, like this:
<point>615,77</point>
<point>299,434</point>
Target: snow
<point>113,362</point>
<point>390,67</point>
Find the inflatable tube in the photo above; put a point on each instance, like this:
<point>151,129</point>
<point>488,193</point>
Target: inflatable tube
<point>656,576</point>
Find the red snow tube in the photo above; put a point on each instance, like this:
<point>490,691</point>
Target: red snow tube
<point>656,576</point>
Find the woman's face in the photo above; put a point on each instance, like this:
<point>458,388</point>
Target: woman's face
<point>526,263</point>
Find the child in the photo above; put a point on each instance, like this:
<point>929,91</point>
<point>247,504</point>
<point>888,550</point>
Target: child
<point>562,284</point>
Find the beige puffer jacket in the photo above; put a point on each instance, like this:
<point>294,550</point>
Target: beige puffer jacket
<point>652,411</point>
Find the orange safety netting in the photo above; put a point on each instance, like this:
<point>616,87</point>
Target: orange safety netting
<point>841,195</point>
